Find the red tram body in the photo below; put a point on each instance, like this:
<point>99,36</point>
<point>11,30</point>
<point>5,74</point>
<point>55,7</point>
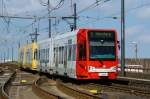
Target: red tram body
<point>88,68</point>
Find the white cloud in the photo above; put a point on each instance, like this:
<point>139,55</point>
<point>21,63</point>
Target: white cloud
<point>133,30</point>
<point>23,6</point>
<point>144,13</point>
<point>144,39</point>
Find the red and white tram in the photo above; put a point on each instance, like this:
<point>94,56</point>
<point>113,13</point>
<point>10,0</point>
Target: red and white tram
<point>80,54</point>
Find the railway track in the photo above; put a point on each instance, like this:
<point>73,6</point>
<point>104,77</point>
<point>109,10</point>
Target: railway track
<point>21,86</point>
<point>118,89</point>
<point>16,84</point>
<point>71,92</point>
<point>14,81</point>
<point>122,88</point>
<point>6,76</point>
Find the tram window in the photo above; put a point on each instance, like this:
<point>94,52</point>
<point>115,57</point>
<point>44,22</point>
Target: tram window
<point>84,50</point>
<point>62,51</point>
<point>54,55</point>
<point>41,54</point>
<point>59,55</point>
<point>38,54</point>
<point>80,47</point>
<point>44,54</point>
<point>48,54</point>
<point>74,52</point>
<point>69,53</point>
<point>65,56</point>
<point>35,54</point>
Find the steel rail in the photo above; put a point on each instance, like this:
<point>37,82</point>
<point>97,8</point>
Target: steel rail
<point>42,93</point>
<point>122,88</point>
<point>5,87</point>
<point>79,94</point>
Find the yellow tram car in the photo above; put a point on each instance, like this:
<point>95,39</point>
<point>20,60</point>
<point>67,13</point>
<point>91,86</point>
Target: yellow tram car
<point>27,56</point>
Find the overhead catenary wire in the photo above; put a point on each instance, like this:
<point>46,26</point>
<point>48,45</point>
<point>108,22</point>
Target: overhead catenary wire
<point>59,5</point>
<point>6,20</point>
<point>129,10</point>
<point>93,5</point>
<point>115,15</point>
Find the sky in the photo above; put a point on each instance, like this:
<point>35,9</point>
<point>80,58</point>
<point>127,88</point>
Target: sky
<point>137,15</point>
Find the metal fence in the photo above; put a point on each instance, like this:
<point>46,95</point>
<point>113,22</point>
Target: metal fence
<point>137,68</point>
<point>144,62</point>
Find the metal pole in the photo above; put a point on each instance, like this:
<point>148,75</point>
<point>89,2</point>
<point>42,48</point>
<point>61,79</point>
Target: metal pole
<point>49,19</point>
<point>136,51</point>
<point>12,54</point>
<point>27,42</point>
<point>19,51</point>
<point>75,16</point>
<point>36,34</point>
<point>4,57</point>
<point>122,38</point>
<point>8,54</point>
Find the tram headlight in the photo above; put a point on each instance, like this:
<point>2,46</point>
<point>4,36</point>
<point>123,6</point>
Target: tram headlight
<point>114,68</point>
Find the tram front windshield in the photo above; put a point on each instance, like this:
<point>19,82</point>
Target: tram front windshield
<point>102,45</point>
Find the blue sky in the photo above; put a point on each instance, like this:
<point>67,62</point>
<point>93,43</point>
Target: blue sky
<point>137,21</point>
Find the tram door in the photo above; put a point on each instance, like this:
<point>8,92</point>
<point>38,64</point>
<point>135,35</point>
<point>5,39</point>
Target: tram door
<point>69,62</point>
<point>65,60</point>
<point>81,54</point>
<point>56,58</point>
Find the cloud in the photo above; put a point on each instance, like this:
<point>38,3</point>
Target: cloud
<point>133,30</point>
<point>138,33</point>
<point>144,13</point>
<point>23,6</point>
<point>144,39</point>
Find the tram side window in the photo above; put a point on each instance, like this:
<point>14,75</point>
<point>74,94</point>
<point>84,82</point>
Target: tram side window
<point>21,57</point>
<point>57,60</point>
<point>69,52</point>
<point>27,57</point>
<point>74,52</point>
<point>43,55</point>
<point>38,54</point>
<point>80,47</point>
<point>62,55</point>
<point>54,55</point>
<point>35,54</point>
<point>48,54</point>
<point>59,55</point>
<point>65,56</point>
<point>82,51</point>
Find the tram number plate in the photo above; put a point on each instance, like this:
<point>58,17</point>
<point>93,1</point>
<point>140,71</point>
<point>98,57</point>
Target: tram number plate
<point>103,74</point>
